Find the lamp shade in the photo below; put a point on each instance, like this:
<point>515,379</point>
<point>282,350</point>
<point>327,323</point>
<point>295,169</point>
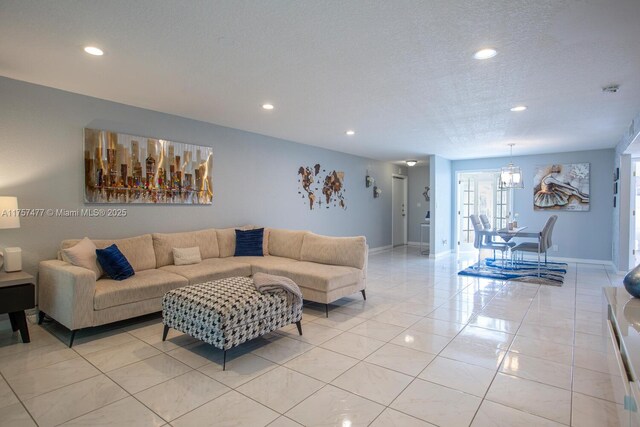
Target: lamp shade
<point>511,177</point>
<point>9,217</point>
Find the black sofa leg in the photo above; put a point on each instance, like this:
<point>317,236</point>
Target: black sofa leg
<point>326,310</point>
<point>21,323</point>
<point>14,322</point>
<point>224,360</point>
<point>165,332</point>
<point>364,294</point>
<point>73,336</point>
<point>41,316</point>
<point>299,325</point>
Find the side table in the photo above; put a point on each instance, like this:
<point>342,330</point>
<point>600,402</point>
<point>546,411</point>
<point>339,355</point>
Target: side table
<point>17,294</point>
<point>424,226</point>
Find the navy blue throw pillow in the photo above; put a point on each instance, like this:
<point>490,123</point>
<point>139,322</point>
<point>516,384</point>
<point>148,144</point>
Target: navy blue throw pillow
<point>249,243</point>
<point>114,263</point>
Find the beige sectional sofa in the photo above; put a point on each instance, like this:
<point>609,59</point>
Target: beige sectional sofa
<point>325,268</point>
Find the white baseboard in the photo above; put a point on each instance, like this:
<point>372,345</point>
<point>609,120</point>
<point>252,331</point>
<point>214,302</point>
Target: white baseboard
<point>380,249</point>
<point>440,254</point>
<point>606,262</point>
<point>417,244</point>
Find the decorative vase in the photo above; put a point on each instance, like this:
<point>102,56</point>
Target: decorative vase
<point>632,282</point>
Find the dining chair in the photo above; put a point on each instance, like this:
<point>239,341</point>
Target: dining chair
<point>486,223</point>
<point>543,244</point>
<point>489,237</point>
<point>480,240</point>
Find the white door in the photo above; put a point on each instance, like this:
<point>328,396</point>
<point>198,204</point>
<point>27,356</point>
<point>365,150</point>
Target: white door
<point>466,208</point>
<point>635,204</point>
<point>478,193</point>
<point>399,210</point>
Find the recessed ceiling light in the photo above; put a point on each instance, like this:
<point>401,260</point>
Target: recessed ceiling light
<point>519,108</point>
<point>267,106</point>
<point>485,53</point>
<point>92,50</point>
<point>350,132</point>
<point>411,162</point>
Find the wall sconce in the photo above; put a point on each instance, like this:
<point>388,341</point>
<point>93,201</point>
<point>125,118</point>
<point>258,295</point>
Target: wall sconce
<point>369,181</point>
<point>376,192</point>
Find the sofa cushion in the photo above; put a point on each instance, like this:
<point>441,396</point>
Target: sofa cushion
<point>227,240</point>
<point>265,237</point>
<point>114,263</point>
<point>144,285</point>
<point>249,242</point>
<point>263,262</point>
<point>186,256</point>
<point>285,243</point>
<point>311,275</point>
<point>265,242</point>
<point>138,250</point>
<point>347,251</point>
<point>83,254</point>
<point>163,244</point>
<point>209,269</point>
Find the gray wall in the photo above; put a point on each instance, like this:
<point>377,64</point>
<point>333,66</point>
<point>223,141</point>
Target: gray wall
<point>441,203</point>
<point>418,207</point>
<point>581,235</point>
<point>254,177</point>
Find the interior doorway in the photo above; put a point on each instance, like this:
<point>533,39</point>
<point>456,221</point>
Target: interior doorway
<point>479,193</point>
<point>399,194</point>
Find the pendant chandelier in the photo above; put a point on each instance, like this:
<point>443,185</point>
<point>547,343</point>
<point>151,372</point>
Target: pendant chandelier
<point>511,175</point>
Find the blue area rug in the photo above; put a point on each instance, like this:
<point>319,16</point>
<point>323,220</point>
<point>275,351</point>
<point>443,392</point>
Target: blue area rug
<point>551,273</point>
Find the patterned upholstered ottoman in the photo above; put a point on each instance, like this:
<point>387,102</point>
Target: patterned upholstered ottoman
<point>227,312</point>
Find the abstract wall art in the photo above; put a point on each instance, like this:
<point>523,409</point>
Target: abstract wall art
<point>321,188</point>
<point>561,187</point>
<point>121,168</point>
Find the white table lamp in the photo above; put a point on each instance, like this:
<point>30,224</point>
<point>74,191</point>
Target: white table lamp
<point>9,218</point>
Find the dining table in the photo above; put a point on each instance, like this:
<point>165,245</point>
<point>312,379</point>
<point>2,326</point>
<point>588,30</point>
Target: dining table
<point>507,234</point>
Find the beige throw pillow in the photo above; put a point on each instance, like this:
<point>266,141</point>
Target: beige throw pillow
<point>83,254</point>
<point>186,256</point>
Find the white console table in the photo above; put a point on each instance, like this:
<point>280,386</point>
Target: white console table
<point>424,226</point>
<point>623,321</point>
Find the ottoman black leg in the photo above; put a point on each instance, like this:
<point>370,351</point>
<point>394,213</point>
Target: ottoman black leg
<point>364,294</point>
<point>224,360</point>
<point>299,325</point>
<point>73,336</point>
<point>326,310</point>
<point>41,316</point>
<point>165,332</point>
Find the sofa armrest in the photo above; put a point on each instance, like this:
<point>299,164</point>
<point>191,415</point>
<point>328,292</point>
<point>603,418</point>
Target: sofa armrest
<point>366,262</point>
<point>65,293</point>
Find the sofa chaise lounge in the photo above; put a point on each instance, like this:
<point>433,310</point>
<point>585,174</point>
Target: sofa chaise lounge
<point>325,268</point>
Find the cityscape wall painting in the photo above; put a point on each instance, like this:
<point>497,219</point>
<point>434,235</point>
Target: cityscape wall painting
<point>121,168</point>
<point>561,187</point>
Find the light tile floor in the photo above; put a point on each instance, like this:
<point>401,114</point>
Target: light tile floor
<point>427,348</point>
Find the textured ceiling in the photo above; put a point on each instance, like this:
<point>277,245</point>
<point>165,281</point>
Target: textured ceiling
<point>399,72</point>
